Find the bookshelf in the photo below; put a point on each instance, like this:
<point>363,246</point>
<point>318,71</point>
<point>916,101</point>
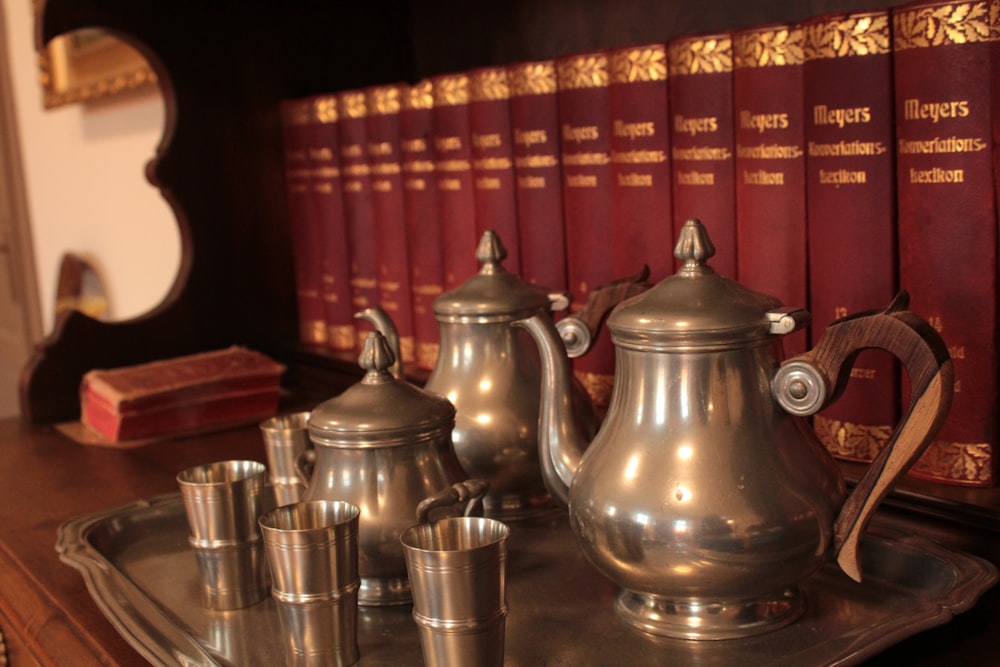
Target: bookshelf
<point>223,67</point>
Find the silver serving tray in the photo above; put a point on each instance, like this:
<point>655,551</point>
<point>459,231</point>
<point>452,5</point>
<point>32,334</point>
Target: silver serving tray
<point>140,571</point>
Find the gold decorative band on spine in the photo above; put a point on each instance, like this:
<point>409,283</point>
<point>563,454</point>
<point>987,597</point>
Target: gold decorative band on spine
<point>641,63</point>
<point>427,354</point>
<point>316,332</point>
<point>295,112</point>
<point>407,347</point>
<point>324,109</point>
<point>598,386</point>
<point>769,47</point>
<point>384,100</point>
<point>451,89</point>
<point>352,104</point>
<point>341,336</point>
<point>537,78</point>
<point>945,24</point>
<point>419,96</point>
<point>489,84</point>
<point>708,54</point>
<point>961,463</point>
<point>865,34</point>
<point>583,71</point>
<point>854,442</point>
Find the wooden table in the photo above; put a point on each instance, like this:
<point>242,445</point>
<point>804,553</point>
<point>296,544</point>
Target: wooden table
<point>49,618</point>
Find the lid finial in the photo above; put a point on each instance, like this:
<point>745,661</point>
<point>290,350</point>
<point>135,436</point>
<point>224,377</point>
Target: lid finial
<point>693,245</point>
<point>490,251</point>
<point>376,357</point>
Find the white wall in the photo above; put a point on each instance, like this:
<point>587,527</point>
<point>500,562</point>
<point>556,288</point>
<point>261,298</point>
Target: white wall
<point>87,193</point>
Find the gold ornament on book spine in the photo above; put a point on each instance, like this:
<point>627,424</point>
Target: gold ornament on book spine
<point>352,105</point>
<point>645,63</point>
<point>384,100</point>
<point>451,90</point>
<point>946,23</point>
<point>854,442</point>
<point>296,113</point>
<point>703,55</point>
<point>419,96</point>
<point>489,84</point>
<point>970,464</point>
<point>586,71</point>
<point>775,47</point>
<point>324,109</point>
<point>533,79</point>
<point>857,35</point>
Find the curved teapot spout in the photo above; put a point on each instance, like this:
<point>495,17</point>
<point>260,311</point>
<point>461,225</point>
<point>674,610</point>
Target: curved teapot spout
<point>560,441</point>
<point>380,320</point>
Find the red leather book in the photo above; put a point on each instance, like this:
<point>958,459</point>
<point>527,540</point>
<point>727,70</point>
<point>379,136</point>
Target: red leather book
<point>392,251</point>
<point>770,166</point>
<point>585,136</point>
<point>640,161</point>
<point>534,114</point>
<point>702,140</point>
<point>180,396</point>
<point>422,217</point>
<point>302,220</point>
<point>493,159</point>
<point>359,209</point>
<point>328,201</point>
<point>947,215</point>
<point>851,207</point>
<point>453,166</point>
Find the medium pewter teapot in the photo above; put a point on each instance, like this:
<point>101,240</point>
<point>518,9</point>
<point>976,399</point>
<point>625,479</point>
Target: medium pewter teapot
<point>490,371</point>
<point>702,496</point>
<point>384,445</point>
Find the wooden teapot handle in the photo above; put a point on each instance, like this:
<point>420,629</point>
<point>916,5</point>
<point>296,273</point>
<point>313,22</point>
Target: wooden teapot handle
<point>809,382</point>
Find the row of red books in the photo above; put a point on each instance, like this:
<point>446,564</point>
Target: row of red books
<point>833,162</point>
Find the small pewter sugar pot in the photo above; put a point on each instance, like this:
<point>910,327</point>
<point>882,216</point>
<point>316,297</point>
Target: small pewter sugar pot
<point>385,446</point>
<point>491,372</point>
<point>705,496</point>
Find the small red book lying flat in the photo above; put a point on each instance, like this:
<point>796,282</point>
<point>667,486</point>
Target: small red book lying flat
<point>191,394</point>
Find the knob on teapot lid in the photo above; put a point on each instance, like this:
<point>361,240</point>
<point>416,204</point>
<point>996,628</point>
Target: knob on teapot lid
<point>694,308</point>
<point>381,410</point>
<point>493,292</point>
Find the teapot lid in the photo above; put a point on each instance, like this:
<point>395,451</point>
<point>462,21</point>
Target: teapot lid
<point>494,292</point>
<point>696,308</point>
<point>380,410</point>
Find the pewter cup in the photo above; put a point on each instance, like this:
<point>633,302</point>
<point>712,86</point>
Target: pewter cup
<point>222,501</point>
<point>457,569</point>
<point>312,549</point>
<point>285,437</point>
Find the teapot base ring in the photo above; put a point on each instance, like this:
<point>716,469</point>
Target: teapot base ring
<point>384,591</point>
<point>692,618</point>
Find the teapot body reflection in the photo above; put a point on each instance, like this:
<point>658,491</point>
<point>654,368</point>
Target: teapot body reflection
<point>705,496</point>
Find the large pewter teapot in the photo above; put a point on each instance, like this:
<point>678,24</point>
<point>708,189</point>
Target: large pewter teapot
<point>384,445</point>
<point>703,496</point>
<point>491,373</point>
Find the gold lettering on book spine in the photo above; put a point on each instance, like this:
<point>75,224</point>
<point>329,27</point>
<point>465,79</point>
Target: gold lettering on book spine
<point>489,84</point>
<point>538,78</point>
<point>770,47</point>
<point>857,35</point>
<point>451,90</point>
<point>352,104</point>
<point>324,109</point>
<point>946,23</point>
<point>585,71</point>
<point>384,100</point>
<point>644,63</point>
<point>701,55</point>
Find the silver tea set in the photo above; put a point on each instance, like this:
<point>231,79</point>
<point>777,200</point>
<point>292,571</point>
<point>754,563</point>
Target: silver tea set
<point>703,494</point>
